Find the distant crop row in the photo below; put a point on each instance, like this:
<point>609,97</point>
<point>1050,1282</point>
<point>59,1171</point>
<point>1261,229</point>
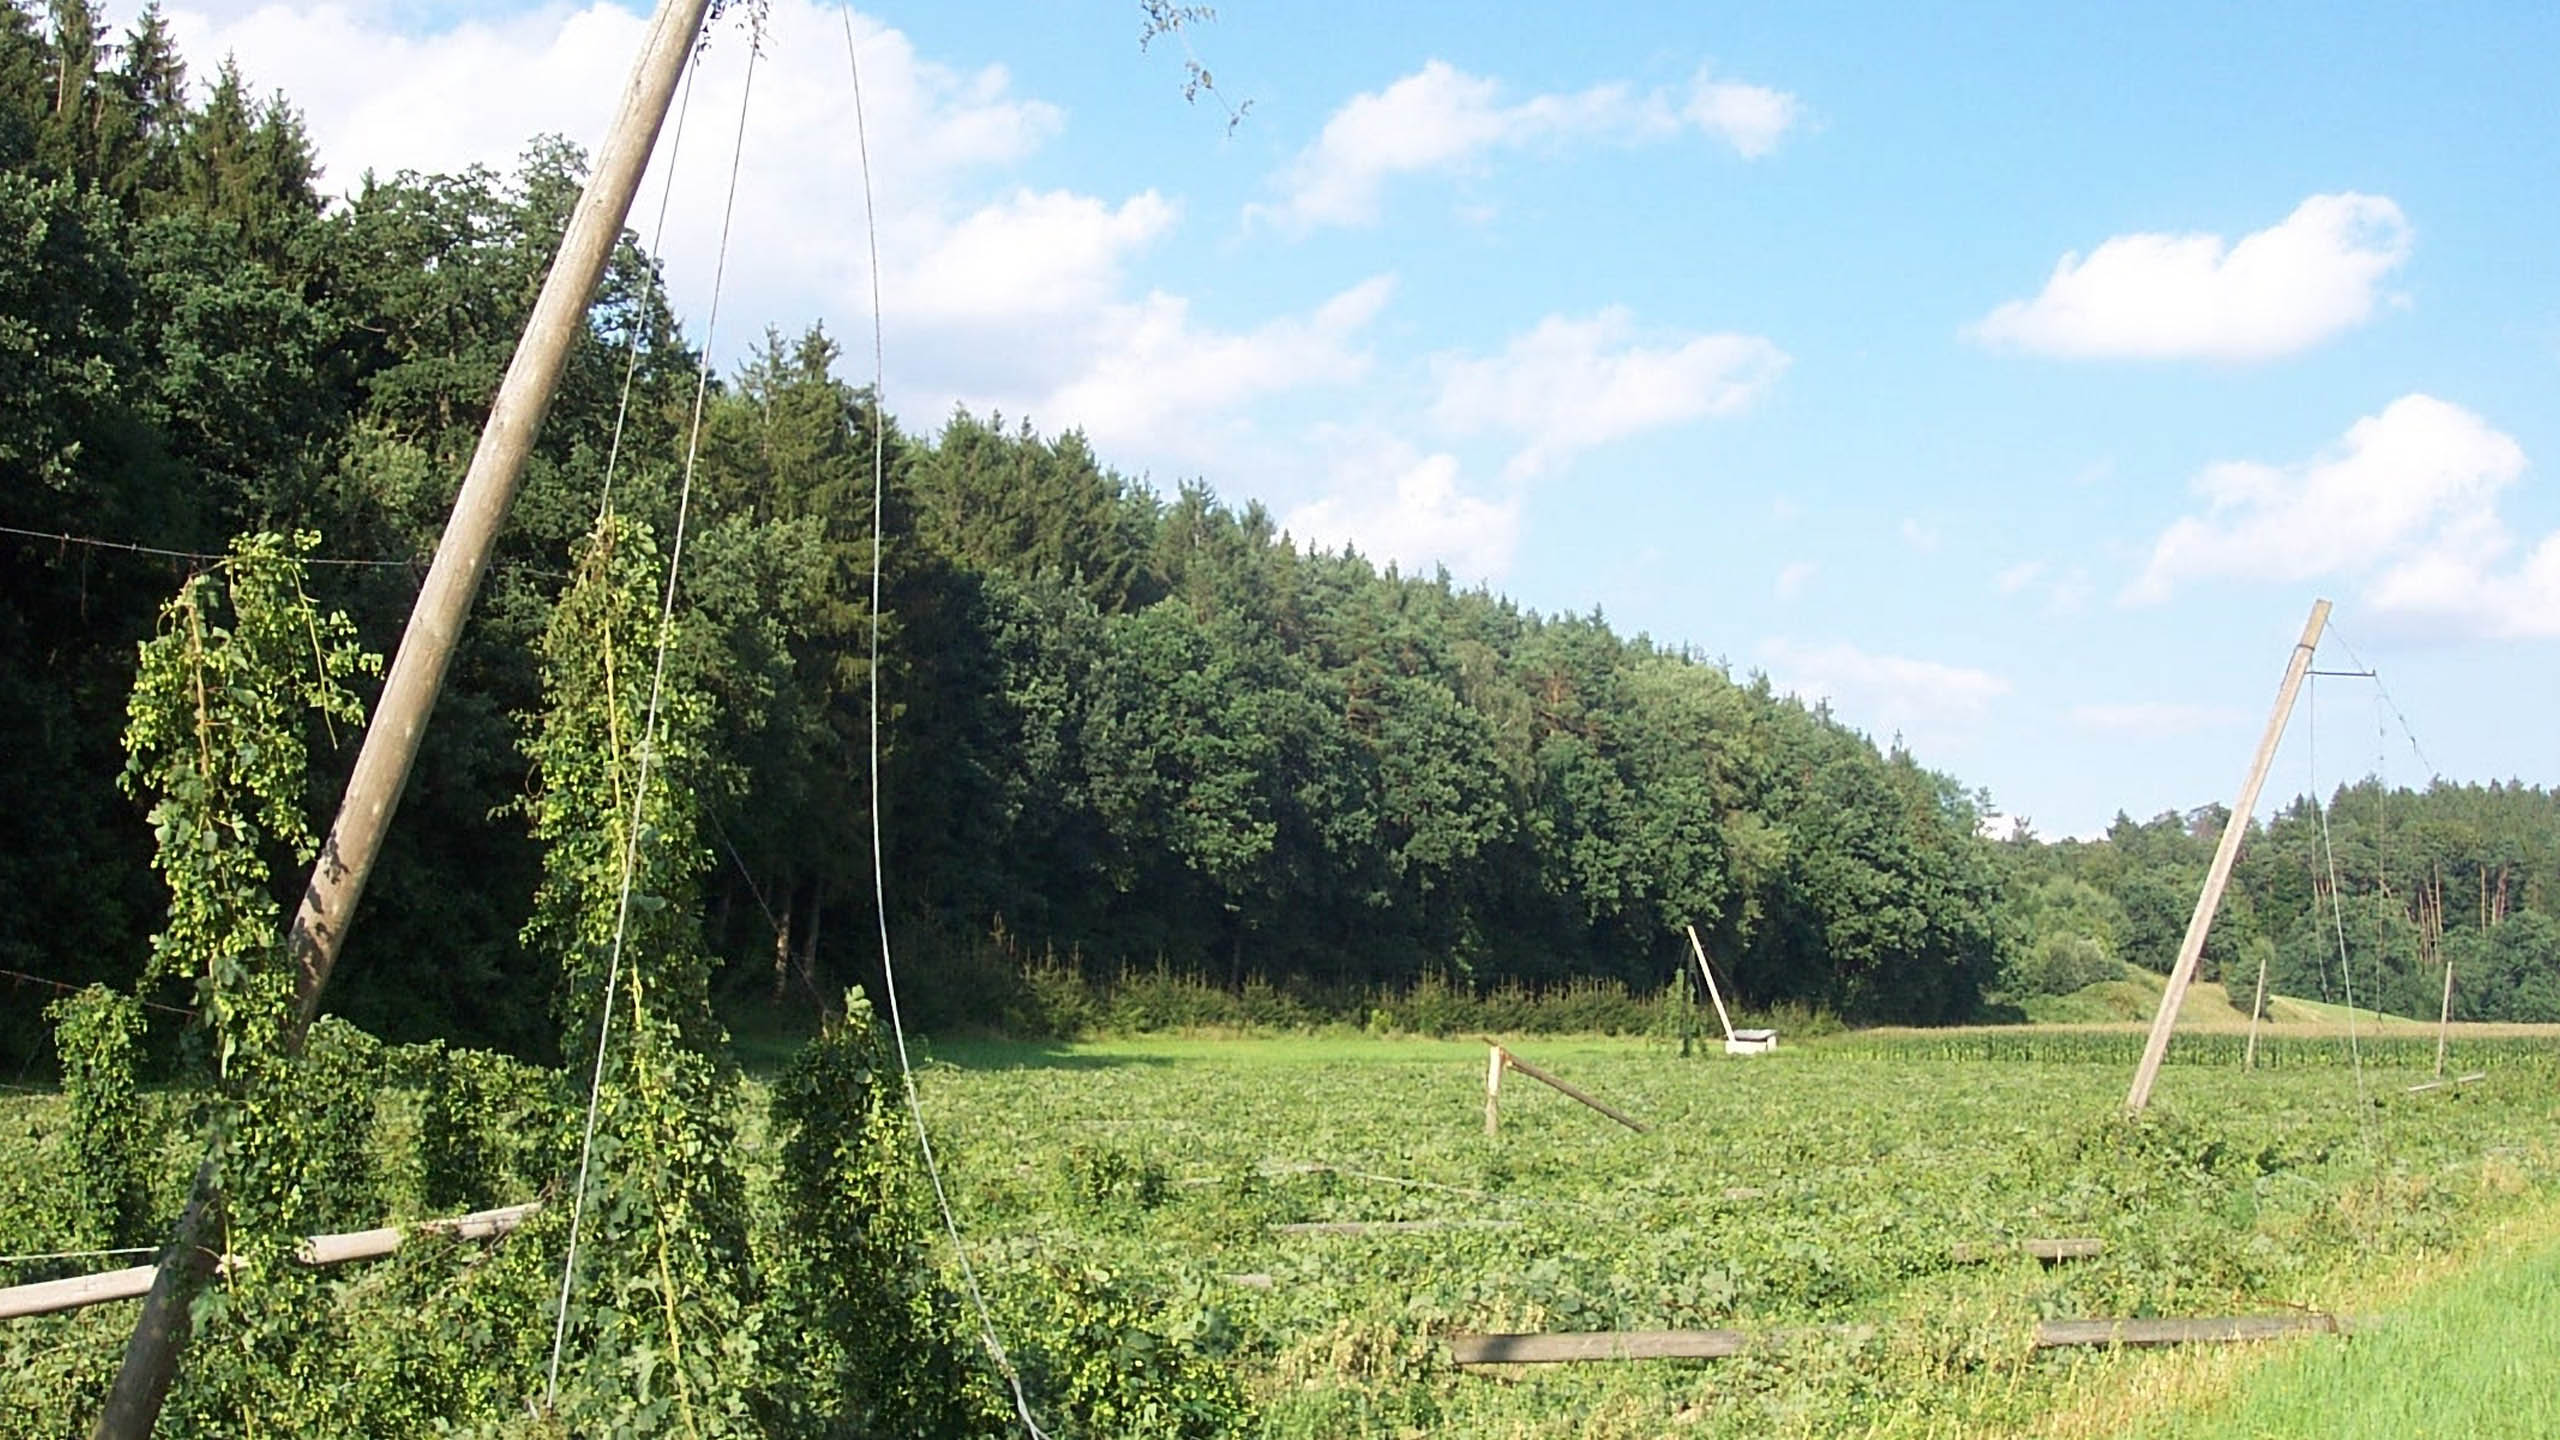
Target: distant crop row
<point>2396,1050</point>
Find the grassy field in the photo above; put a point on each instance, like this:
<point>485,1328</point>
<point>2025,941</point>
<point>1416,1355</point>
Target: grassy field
<point>2474,1354</point>
<point>1826,1186</point>
<point>1817,1196</point>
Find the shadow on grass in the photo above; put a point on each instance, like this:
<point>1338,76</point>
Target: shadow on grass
<point>764,1035</point>
<point>969,1054</point>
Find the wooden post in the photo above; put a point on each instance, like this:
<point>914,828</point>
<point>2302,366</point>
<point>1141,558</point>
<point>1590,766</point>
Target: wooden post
<point>1493,1063</point>
<point>2209,899</point>
<point>2257,1007</point>
<point>1712,992</point>
<point>1688,1002</point>
<point>2444,1016</point>
<point>426,651</point>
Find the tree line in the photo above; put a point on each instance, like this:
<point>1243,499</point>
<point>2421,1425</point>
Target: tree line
<point>2376,895</point>
<point>1124,728</point>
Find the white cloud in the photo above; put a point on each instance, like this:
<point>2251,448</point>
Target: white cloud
<point>1393,503</point>
<point>1885,694</point>
<point>1750,118</point>
<point>2158,296</point>
<point>1032,256</point>
<point>2154,720</point>
<point>1923,538</point>
<point>1793,579</point>
<point>1156,382</point>
<point>2406,503</point>
<point>2017,577</point>
<point>1568,385</point>
<point>1440,118</point>
<point>999,294</point>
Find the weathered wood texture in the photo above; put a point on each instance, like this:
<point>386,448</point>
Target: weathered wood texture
<point>1712,992</point>
<point>1603,1345</point>
<point>1598,1345</point>
<point>1542,1077</point>
<point>134,1281</point>
<point>2212,1330</point>
<point>1386,1227</point>
<point>2075,1247</point>
<point>2191,948</point>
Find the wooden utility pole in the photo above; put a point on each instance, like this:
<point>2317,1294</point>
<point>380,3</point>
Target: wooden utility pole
<point>426,652</point>
<point>2257,1008</point>
<point>2444,1016</point>
<point>2209,899</point>
<point>1722,1016</point>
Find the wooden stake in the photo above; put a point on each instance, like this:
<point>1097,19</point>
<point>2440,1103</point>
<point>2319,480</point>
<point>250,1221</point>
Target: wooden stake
<point>2191,949</point>
<point>1493,1090</point>
<point>1712,992</point>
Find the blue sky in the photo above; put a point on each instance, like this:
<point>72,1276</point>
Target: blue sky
<point>2011,375</point>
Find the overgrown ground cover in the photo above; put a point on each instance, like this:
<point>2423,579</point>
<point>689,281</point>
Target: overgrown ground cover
<point>2473,1353</point>
<point>1827,1186</point>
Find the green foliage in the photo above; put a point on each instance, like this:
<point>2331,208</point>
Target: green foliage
<point>1827,1185</point>
<point>1097,1354</point>
<point>867,1340</point>
<point>97,1034</point>
<point>662,1317</point>
<point>216,735</point>
<point>487,1125</point>
<point>607,835</point>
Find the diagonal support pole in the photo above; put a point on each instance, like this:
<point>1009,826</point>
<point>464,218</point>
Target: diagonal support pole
<point>2209,900</point>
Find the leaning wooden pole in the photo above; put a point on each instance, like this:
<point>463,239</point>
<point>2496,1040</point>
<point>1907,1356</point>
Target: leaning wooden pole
<point>426,652</point>
<point>2444,1016</point>
<point>1713,993</point>
<point>2257,1009</point>
<point>2209,899</point>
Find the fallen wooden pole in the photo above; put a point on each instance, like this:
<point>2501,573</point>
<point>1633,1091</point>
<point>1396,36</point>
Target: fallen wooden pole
<point>1597,1345</point>
<point>2075,1247</point>
<point>50,1297</point>
<point>1386,1227</point>
<point>2214,1330</point>
<point>2456,1080</point>
<point>1605,1345</point>
<point>1504,1058</point>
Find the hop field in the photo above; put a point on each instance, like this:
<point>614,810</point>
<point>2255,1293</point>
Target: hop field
<point>1831,1186</point>
<point>1821,1197</point>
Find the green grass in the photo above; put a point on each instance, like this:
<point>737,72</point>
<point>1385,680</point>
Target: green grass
<point>2478,1357</point>
<point>1823,1186</point>
<point>2137,997</point>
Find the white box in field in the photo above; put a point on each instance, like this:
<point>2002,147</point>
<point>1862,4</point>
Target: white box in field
<point>1751,1042</point>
